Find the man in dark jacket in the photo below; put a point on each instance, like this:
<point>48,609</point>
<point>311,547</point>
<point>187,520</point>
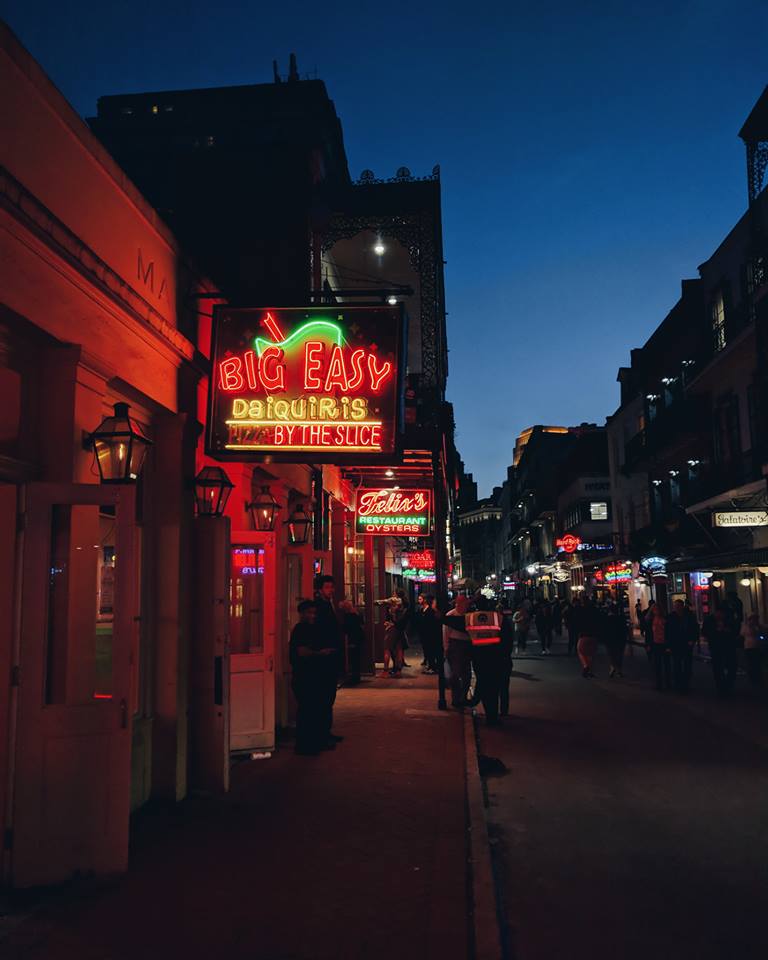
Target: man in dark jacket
<point>682,634</point>
<point>329,626</point>
<point>311,667</point>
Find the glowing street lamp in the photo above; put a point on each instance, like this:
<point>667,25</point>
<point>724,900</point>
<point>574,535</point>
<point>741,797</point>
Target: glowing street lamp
<point>299,525</point>
<point>263,510</point>
<point>120,446</point>
<point>212,490</point>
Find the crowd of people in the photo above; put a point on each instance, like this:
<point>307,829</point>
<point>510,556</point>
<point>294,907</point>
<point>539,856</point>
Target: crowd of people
<point>477,637</point>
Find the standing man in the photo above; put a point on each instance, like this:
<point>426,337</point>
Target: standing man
<point>683,633</point>
<point>429,633</point>
<point>484,629</point>
<point>329,625</point>
<point>456,646</point>
<point>721,639</point>
<point>311,666</point>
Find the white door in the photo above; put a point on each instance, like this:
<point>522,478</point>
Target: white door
<point>71,792</point>
<point>252,642</point>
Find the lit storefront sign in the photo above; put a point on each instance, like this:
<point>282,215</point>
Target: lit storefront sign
<point>568,543</point>
<point>424,558</point>
<point>419,575</point>
<point>388,512</point>
<point>618,573</point>
<point>654,565</point>
<point>741,518</point>
<point>288,382</point>
<point>248,561</point>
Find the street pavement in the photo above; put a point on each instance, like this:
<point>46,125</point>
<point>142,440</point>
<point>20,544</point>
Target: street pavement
<point>358,854</point>
<point>628,823</point>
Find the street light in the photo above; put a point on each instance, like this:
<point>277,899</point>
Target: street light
<point>212,490</point>
<point>120,446</point>
<point>299,525</point>
<point>263,510</point>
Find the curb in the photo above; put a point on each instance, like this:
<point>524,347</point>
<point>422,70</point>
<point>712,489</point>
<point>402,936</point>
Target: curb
<point>486,933</point>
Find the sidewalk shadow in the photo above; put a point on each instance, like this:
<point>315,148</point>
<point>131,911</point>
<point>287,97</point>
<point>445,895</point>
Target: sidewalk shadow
<point>525,676</point>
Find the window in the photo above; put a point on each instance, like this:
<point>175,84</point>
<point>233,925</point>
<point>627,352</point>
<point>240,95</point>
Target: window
<point>598,511</point>
<point>727,431</point>
<point>718,322</point>
<point>155,108</point>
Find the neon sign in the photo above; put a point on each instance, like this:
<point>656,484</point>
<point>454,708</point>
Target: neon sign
<point>248,561</point>
<point>419,574</point>
<point>618,573</point>
<point>287,382</point>
<point>387,512</point>
<point>568,543</point>
<point>424,558</point>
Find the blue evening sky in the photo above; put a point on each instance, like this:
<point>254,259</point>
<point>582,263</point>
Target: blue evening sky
<point>588,151</point>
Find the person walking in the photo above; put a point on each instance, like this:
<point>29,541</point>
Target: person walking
<point>570,615</point>
<point>522,621</point>
<point>507,647</point>
<point>682,634</point>
<point>403,622</point>
<point>430,632</point>
<point>543,619</point>
<point>457,649</point>
<point>616,636</point>
<point>312,668</point>
<point>484,629</point>
<point>661,653</point>
<point>352,625</point>
<point>647,630</point>
<point>720,634</point>
<point>752,636</point>
<point>329,625</point>
<point>395,618</point>
<point>557,617</point>
<point>589,628</point>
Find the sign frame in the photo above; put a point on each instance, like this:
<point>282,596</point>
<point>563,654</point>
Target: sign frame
<point>426,531</point>
<point>312,454</point>
<point>743,521</point>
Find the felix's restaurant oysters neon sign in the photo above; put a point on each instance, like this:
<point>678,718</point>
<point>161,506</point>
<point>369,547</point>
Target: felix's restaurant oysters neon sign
<point>319,380</point>
<point>390,512</point>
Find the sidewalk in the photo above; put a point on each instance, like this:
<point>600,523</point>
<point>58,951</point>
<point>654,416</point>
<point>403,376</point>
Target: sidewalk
<point>358,853</point>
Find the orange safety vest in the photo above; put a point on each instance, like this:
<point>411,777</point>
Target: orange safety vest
<point>483,627</point>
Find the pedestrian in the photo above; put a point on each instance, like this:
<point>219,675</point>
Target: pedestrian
<point>616,635</point>
<point>682,635</point>
<point>457,649</point>
<point>570,615</point>
<point>312,667</point>
<point>395,619</point>
<point>589,628</point>
<point>484,629</point>
<point>752,636</point>
<point>661,653</point>
<point>352,625</point>
<point>720,633</point>
<point>430,630</point>
<point>522,621</point>
<point>557,617</point>
<point>648,630</point>
<point>329,625</point>
<point>403,622</point>
<point>543,619</point>
<point>639,615</point>
<point>507,646</point>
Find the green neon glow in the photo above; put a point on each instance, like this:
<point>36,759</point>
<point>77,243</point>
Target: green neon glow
<point>304,330</point>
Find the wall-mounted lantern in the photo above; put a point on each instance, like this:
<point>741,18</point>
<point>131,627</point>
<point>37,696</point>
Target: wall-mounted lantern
<point>120,446</point>
<point>299,525</point>
<point>263,510</point>
<point>212,490</point>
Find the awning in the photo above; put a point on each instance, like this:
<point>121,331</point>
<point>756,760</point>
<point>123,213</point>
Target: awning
<point>728,560</point>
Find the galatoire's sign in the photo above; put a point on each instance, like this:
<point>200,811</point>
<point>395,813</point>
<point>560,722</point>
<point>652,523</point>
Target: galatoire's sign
<point>306,383</point>
<point>399,513</point>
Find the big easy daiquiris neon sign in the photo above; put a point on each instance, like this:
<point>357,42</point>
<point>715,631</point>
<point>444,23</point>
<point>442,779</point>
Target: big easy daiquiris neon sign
<point>291,382</point>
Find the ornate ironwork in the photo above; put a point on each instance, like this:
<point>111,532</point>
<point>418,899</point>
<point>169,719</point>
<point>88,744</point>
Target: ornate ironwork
<point>417,233</point>
<point>757,163</point>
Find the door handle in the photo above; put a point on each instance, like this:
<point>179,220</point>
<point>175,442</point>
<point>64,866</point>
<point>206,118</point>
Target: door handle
<point>271,664</point>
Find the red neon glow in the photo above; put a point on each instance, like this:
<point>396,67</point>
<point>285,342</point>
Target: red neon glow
<point>337,374</point>
<point>378,502</point>
<point>569,543</point>
<point>102,696</point>
<point>313,364</point>
<point>356,362</point>
<point>378,376</point>
<point>231,375</point>
<point>251,369</point>
<point>424,559</point>
<point>271,324</point>
<point>272,369</point>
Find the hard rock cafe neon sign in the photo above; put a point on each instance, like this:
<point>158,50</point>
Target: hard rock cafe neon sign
<point>569,543</point>
<point>294,381</point>
<point>399,513</point>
